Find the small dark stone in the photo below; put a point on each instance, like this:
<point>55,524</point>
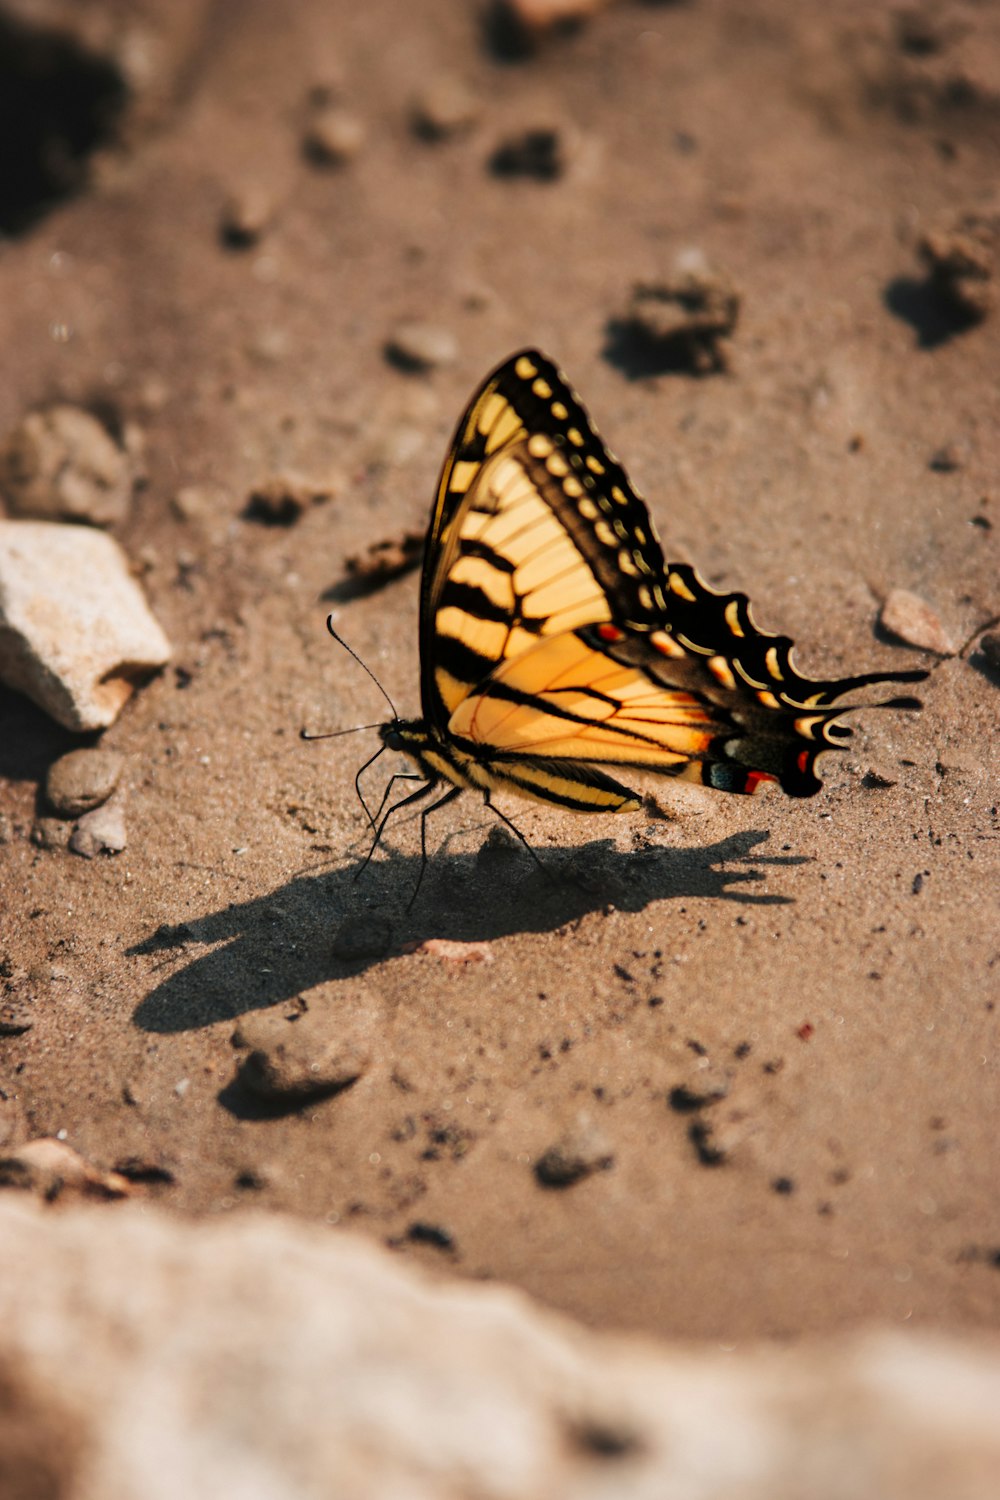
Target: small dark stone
<point>430,1234</point>
<point>82,780</point>
<point>137,1169</point>
<point>707,1149</point>
<point>783,1185</point>
<point>583,1150</point>
<point>536,153</point>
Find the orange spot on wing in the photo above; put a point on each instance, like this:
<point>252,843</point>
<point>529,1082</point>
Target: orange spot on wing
<point>610,633</point>
<point>754,779</point>
<point>803,759</point>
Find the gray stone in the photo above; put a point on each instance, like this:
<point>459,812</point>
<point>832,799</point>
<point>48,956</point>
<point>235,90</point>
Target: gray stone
<point>101,831</point>
<point>76,633</point>
<point>333,136</point>
<point>444,108</point>
<point>422,346</point>
<point>299,1058</point>
<point>62,465</point>
<point>82,780</point>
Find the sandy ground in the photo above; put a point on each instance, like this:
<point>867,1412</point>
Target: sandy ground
<point>830,966</point>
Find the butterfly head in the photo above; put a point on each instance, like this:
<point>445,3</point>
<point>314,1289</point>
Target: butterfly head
<point>407,735</point>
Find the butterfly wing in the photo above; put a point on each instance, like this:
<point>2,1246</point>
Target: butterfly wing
<point>536,529</point>
<point>552,627</point>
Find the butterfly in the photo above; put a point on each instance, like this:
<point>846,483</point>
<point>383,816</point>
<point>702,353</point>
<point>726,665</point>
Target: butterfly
<point>557,641</point>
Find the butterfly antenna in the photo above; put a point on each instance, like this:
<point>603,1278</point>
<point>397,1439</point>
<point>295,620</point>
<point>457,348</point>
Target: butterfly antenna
<point>333,734</point>
<point>350,650</point>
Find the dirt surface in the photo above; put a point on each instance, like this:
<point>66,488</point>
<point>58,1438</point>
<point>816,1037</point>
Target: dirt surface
<point>766,1028</point>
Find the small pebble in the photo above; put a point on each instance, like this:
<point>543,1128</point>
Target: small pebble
<point>101,831</point>
<point>581,1151</point>
<point>363,937</point>
<point>421,1233</point>
<point>421,346</point>
<point>61,464</point>
<point>199,502</point>
<point>702,1087</point>
<point>445,108</point>
<point>962,257</point>
<point>294,1060</point>
<point>539,152</point>
<point>17,1014</point>
<point>989,645</point>
<point>947,459</point>
<point>911,619</point>
<point>281,499</point>
<point>82,780</point>
<point>51,833</point>
<point>686,321</point>
<point>6,829</point>
<point>333,136</point>
<point>246,214</point>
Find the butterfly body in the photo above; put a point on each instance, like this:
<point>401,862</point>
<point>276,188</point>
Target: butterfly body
<point>557,640</point>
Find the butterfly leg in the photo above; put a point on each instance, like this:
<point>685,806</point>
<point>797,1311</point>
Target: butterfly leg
<point>449,796</point>
<point>427,787</point>
<point>515,830</point>
<point>399,776</point>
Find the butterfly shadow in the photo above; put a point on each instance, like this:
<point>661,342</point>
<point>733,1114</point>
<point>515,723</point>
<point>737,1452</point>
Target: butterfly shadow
<point>328,926</point>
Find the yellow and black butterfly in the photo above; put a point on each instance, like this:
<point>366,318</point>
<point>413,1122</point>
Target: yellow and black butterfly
<point>556,640</point>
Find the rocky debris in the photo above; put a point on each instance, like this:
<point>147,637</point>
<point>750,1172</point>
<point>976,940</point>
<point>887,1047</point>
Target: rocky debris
<point>443,109</point>
<point>451,951</point>
<point>82,780</point>
<point>101,831</point>
<point>76,633</point>
<point>280,499</point>
<point>911,619</point>
<point>290,1060</point>
<point>416,346</point>
<point>49,1167</point>
<point>685,322</point>
<point>434,1235</point>
<point>579,1152</point>
<point>702,1086</point>
<point>17,1008</point>
<point>51,833</point>
<point>263,1327</point>
<point>962,257</point>
<point>989,645</point>
<point>247,214</point>
<point>385,560</point>
<point>948,458</point>
<point>710,1146</point>
<point>61,464</point>
<point>541,151</point>
<point>333,136</point>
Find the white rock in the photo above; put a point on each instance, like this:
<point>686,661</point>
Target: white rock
<point>256,1356</point>
<point>75,630</point>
